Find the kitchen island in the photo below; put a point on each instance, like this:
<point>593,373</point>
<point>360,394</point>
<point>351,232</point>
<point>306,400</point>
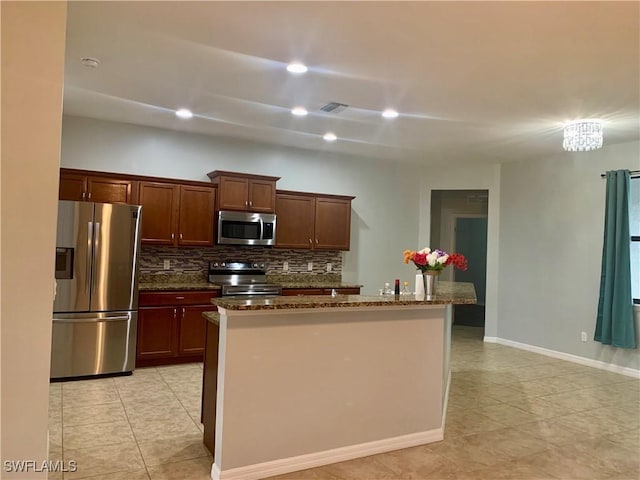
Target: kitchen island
<point>312,380</point>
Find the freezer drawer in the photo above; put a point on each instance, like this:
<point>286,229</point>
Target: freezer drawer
<point>93,343</point>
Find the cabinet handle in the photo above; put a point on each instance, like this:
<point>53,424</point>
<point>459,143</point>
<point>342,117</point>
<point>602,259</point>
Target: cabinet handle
<point>89,195</point>
<point>184,312</point>
<point>246,203</point>
<point>250,203</point>
<point>175,313</point>
<point>172,236</point>
<point>84,195</point>
<point>179,298</point>
<point>310,242</point>
<point>180,236</point>
<point>316,241</point>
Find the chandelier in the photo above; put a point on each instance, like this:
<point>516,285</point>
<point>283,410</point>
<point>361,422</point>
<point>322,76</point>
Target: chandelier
<point>582,135</point>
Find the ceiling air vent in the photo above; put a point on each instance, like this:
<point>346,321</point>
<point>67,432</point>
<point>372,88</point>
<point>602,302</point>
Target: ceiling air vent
<point>333,107</point>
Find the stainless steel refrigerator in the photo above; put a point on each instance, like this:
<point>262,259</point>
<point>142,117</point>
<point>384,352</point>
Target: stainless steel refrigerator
<point>95,308</point>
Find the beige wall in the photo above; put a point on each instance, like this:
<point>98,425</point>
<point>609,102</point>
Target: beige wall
<point>33,42</point>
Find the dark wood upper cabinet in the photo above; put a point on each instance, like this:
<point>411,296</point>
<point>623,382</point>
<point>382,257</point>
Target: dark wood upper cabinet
<point>245,192</point>
<point>72,187</point>
<point>313,221</point>
<point>159,212</point>
<point>295,221</point>
<point>197,216</point>
<point>175,214</point>
<point>333,223</point>
<point>94,188</point>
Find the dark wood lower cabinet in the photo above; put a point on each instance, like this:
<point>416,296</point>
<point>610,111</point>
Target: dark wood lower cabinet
<point>171,328</point>
<point>193,330</point>
<point>210,385</point>
<point>157,333</point>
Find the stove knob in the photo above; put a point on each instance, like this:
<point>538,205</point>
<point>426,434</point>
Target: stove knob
<point>223,264</point>
<point>215,265</point>
<point>255,265</point>
<point>262,266</point>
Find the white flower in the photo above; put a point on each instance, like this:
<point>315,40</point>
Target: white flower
<point>425,250</point>
<point>443,259</point>
<point>432,259</point>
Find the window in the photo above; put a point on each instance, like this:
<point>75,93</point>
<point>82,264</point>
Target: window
<point>634,229</point>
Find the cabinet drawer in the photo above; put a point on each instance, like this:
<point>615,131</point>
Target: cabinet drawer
<point>150,299</point>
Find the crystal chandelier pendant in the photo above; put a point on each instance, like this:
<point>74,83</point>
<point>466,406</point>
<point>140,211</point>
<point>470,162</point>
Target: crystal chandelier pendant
<point>582,135</point>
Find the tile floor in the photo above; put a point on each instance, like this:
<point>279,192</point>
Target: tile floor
<point>512,415</point>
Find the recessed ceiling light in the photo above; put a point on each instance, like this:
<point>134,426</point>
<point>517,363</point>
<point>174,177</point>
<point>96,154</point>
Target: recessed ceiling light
<point>184,113</point>
<point>299,111</point>
<point>330,137</point>
<point>297,67</point>
<point>90,62</point>
<point>389,113</point>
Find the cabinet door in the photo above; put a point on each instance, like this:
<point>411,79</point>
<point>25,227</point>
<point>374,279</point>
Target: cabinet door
<point>72,187</point>
<point>262,196</point>
<point>196,224</point>
<point>159,212</point>
<point>233,194</point>
<point>332,223</point>
<point>193,329</point>
<point>109,190</point>
<point>294,223</point>
<point>157,332</point>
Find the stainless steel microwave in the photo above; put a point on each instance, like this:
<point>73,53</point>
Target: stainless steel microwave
<point>244,228</point>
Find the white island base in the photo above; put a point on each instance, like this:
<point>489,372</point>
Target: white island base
<point>304,387</point>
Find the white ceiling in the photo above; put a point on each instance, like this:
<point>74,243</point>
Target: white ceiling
<point>473,81</point>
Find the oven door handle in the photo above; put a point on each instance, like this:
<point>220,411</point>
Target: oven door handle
<point>261,228</point>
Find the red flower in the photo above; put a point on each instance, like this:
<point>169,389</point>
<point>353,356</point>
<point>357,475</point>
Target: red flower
<point>420,258</point>
<point>458,260</point>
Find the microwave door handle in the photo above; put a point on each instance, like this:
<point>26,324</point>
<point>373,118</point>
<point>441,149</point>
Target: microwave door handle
<point>261,229</point>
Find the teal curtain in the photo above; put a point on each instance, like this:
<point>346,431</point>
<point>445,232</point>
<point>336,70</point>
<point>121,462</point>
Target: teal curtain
<point>614,325</point>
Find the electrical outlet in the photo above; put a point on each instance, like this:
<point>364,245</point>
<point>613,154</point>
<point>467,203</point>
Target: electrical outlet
<point>167,264</point>
<point>583,336</point>
<point>285,266</point>
<point>329,267</point>
<point>310,266</point>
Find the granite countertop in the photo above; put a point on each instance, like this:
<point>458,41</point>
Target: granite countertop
<point>448,293</point>
<point>315,284</point>
<point>213,317</point>
<point>165,286</point>
<point>183,282</point>
<point>310,281</point>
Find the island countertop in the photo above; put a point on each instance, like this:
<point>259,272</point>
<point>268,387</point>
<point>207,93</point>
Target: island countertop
<point>448,293</point>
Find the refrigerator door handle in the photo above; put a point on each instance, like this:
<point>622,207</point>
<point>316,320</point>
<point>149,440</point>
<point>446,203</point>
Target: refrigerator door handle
<point>85,320</point>
<point>96,229</point>
<point>87,280</point>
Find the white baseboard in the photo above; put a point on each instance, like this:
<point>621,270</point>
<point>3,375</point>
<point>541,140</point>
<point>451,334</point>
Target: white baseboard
<point>630,372</point>
<point>302,462</point>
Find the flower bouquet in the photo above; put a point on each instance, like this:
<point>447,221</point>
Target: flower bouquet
<point>427,260</point>
<point>431,263</point>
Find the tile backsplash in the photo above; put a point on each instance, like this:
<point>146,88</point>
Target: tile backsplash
<point>196,260</point>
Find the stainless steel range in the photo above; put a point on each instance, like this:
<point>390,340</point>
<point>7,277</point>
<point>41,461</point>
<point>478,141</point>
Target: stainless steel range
<point>242,279</point>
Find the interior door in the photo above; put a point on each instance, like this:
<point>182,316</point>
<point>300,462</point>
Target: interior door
<point>471,241</point>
